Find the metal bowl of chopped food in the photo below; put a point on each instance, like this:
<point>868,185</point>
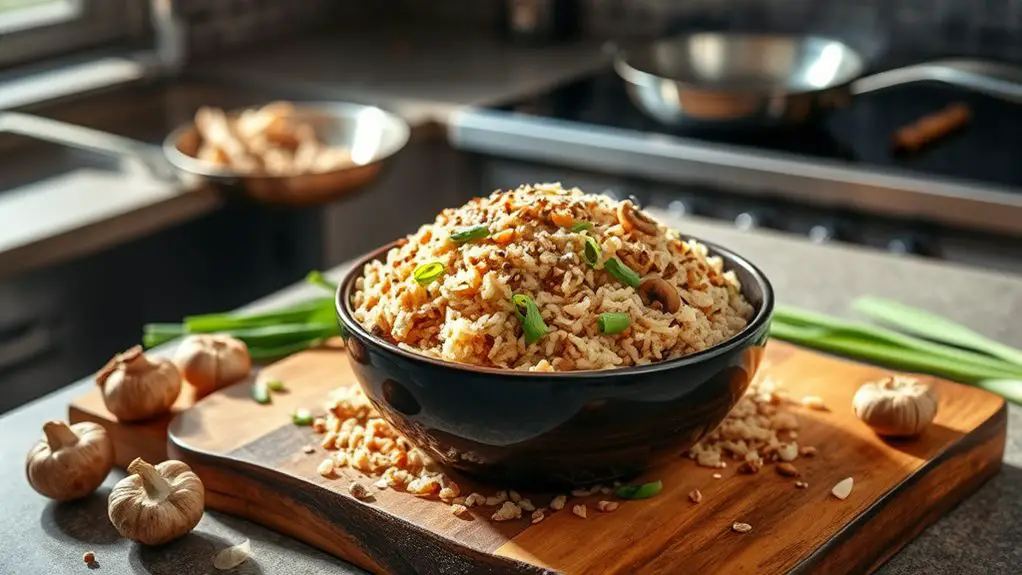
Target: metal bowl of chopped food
<point>282,153</point>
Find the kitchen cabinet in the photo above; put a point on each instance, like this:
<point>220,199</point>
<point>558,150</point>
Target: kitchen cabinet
<point>59,323</point>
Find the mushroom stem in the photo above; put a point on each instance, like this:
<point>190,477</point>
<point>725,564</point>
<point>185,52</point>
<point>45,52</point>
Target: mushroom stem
<point>59,435</point>
<point>156,487</point>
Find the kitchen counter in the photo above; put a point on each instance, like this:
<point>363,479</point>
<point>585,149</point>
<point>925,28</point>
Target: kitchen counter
<point>982,536</point>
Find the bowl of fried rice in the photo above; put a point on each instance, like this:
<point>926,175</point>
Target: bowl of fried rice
<point>545,335</point>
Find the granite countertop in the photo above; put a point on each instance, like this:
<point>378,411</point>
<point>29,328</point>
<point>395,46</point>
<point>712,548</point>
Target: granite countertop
<point>981,536</point>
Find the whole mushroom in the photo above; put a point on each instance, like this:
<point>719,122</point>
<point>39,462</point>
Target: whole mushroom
<point>156,504</point>
<point>896,406</point>
<point>210,362</point>
<point>71,461</point>
<point>137,387</point>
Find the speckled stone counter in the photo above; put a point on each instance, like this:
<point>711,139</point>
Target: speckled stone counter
<point>981,536</point>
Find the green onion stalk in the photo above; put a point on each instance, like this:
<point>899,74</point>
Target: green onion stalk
<point>923,342</point>
<point>268,335</point>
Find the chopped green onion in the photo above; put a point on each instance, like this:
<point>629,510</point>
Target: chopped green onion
<point>532,322</point>
<point>275,385</point>
<point>473,233</point>
<point>301,416</point>
<point>622,273</point>
<point>260,393</point>
<point>644,491</point>
<point>582,227</point>
<point>591,251</point>
<point>611,323</point>
<point>426,273</point>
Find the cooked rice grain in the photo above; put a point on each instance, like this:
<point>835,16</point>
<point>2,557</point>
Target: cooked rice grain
<point>466,315</point>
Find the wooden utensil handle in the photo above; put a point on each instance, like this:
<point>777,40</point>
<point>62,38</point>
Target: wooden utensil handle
<point>931,127</point>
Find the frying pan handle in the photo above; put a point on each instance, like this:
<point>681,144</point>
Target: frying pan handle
<point>83,138</point>
<point>997,80</point>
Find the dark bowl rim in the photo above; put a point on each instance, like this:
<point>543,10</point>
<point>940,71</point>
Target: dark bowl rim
<point>762,317</point>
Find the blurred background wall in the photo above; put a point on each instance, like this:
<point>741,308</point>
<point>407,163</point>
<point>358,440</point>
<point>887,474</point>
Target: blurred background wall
<point>887,31</point>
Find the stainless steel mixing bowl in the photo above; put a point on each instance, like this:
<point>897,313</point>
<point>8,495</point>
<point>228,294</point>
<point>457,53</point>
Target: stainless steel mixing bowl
<point>370,134</point>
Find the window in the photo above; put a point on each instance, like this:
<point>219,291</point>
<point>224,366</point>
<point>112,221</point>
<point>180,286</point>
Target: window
<point>31,30</point>
<point>22,14</point>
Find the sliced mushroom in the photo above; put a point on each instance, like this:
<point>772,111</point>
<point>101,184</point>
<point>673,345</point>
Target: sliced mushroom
<point>632,219</point>
<point>658,291</point>
<point>640,262</point>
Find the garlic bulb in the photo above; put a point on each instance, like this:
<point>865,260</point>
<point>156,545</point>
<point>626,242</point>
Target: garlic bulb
<point>210,362</point>
<point>154,505</point>
<point>896,406</point>
<point>137,387</point>
<point>71,462</point>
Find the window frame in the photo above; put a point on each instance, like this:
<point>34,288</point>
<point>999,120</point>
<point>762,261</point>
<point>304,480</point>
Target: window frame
<point>55,31</point>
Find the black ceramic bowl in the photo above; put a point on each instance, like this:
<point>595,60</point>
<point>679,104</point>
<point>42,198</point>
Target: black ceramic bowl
<point>561,428</point>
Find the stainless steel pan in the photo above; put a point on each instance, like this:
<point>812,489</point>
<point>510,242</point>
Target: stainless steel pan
<point>754,80</point>
<point>371,134</point>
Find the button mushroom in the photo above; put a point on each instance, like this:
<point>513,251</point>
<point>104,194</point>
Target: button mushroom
<point>156,504</point>
<point>896,406</point>
<point>658,292</point>
<point>71,462</point>
<point>137,387</point>
<point>210,362</point>
<point>633,219</point>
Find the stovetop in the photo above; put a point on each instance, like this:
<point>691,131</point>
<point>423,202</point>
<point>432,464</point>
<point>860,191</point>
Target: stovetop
<point>986,150</point>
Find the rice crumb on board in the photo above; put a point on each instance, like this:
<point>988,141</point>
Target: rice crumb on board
<point>358,491</point>
<point>814,402</point>
<point>788,470</point>
<point>507,511</point>
<point>739,527</point>
<point>758,430</point>
<point>579,510</point>
<point>558,502</point>
<point>326,467</point>
<point>843,488</point>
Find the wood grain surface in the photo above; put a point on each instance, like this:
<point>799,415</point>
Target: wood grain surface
<point>251,460</point>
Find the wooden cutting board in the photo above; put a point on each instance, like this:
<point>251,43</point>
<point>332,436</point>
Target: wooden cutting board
<point>251,460</point>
